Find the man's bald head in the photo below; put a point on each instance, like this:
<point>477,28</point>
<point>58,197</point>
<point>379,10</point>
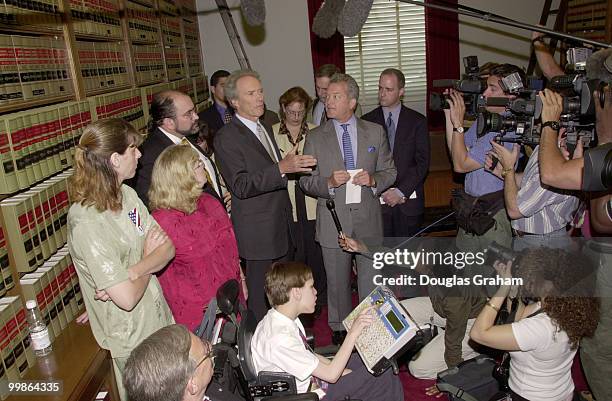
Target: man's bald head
<point>173,111</point>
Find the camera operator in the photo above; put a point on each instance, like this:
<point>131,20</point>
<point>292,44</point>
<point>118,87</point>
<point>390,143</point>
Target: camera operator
<point>468,153</point>
<point>596,352</point>
<point>539,213</point>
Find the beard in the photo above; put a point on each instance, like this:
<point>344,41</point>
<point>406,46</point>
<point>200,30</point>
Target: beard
<point>188,132</point>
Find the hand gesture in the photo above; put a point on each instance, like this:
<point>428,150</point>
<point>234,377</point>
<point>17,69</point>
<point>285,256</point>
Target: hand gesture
<point>552,105</point>
<point>364,178</point>
<point>433,391</point>
<point>227,200</point>
<point>489,161</point>
<point>338,178</point>
<point>83,318</point>
<point>294,163</point>
<point>504,270</point>
<point>101,295</point>
<point>457,107</point>
<point>155,237</point>
<point>391,197</point>
<point>506,157</point>
<point>363,320</point>
<point>349,244</point>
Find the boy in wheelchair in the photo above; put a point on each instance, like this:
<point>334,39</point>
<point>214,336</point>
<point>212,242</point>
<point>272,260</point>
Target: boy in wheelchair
<point>279,343</point>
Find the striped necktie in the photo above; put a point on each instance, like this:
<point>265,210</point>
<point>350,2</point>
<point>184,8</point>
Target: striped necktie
<point>347,148</point>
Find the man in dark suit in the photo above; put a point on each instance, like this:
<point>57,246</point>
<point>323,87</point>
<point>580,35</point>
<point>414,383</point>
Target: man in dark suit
<point>219,113</point>
<point>408,137</point>
<point>255,175</point>
<point>173,119</point>
<point>347,148</point>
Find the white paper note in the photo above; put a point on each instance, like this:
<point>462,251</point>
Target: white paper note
<point>353,192</point>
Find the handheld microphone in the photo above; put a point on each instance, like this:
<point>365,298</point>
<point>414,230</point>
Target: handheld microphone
<point>331,205</point>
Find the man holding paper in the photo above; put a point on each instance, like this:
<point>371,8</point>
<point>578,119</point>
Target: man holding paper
<point>355,167</point>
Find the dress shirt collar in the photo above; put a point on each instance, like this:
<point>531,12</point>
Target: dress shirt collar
<point>175,139</point>
<point>251,125</point>
<point>395,111</point>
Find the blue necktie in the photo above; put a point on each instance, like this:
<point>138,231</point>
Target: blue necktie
<point>347,148</point>
<point>391,130</point>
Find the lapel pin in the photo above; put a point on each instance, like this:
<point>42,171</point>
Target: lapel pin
<point>371,149</point>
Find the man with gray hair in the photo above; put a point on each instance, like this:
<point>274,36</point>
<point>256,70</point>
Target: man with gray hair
<point>171,364</point>
<point>355,167</point>
<point>256,176</point>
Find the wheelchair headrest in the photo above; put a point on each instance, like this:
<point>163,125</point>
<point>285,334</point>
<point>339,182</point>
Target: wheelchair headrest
<point>248,324</point>
<point>227,297</point>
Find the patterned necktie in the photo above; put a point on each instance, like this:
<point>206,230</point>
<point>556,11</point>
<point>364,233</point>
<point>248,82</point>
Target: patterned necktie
<point>347,148</point>
<point>185,142</point>
<point>391,130</point>
<point>227,116</point>
<point>314,381</point>
<point>263,138</point>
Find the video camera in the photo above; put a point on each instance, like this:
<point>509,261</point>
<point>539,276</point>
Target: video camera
<point>471,86</point>
<point>577,117</point>
<point>597,173</point>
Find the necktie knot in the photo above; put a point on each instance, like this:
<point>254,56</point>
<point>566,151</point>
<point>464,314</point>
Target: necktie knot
<point>184,141</point>
<point>345,127</point>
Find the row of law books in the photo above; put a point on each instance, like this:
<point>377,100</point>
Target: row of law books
<point>126,104</point>
<point>194,61</point>
<point>38,143</point>
<point>149,63</point>
<point>174,63</point>
<point>31,13</point>
<point>55,287</point>
<point>103,65</point>
<point>171,30</point>
<point>33,68</point>
<point>99,18</point>
<point>191,34</point>
<point>201,88</point>
<point>143,23</point>
<point>168,7</point>
<point>6,278</point>
<point>35,222</point>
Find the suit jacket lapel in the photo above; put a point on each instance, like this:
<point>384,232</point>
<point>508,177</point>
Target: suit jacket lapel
<point>330,137</point>
<point>363,142</point>
<point>255,143</point>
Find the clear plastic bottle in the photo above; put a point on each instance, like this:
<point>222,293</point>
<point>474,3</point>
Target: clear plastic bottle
<point>39,334</point>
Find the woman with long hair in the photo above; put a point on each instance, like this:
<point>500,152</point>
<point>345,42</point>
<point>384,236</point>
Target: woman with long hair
<point>114,242</point>
<point>206,249</point>
<point>290,135</point>
<point>545,335</point>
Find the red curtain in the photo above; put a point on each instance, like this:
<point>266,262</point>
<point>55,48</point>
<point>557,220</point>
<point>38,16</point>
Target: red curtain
<point>442,52</point>
<point>324,51</point>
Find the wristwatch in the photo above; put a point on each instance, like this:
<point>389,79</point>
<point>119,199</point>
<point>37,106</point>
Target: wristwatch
<point>458,129</point>
<point>555,125</point>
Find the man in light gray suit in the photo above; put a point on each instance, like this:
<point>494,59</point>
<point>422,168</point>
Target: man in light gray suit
<point>344,143</point>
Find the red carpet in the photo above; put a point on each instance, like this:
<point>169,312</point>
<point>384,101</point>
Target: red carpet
<point>414,389</point>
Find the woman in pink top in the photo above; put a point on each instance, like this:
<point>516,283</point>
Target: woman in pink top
<point>197,223</point>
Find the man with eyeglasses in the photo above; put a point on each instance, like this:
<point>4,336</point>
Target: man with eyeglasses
<point>173,121</point>
<point>171,364</point>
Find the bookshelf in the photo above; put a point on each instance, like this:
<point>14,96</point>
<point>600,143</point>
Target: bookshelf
<point>64,64</point>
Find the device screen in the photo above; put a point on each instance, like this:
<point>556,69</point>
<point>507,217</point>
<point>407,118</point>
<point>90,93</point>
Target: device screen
<point>395,322</point>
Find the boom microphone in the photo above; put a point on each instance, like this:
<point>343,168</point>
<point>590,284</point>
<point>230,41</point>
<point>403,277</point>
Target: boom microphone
<point>254,11</point>
<point>599,65</point>
<point>331,205</point>
<point>326,21</point>
<point>354,16</point>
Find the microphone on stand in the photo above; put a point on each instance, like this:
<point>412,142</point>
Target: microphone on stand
<point>331,205</point>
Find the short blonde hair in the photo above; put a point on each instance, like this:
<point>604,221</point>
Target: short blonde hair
<point>282,277</point>
<point>95,181</point>
<point>173,182</point>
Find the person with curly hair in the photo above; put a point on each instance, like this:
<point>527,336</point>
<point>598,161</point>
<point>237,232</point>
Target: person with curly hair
<point>545,335</point>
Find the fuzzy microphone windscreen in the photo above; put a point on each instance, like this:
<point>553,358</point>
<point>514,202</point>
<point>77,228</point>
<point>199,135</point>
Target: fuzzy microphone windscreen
<point>354,16</point>
<point>599,65</point>
<point>325,22</point>
<point>254,11</point>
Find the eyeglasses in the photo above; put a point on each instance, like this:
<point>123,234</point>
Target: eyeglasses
<point>211,354</point>
<point>296,114</point>
<point>199,164</point>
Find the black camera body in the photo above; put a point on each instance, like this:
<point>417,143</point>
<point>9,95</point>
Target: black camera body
<point>471,86</point>
<point>597,172</point>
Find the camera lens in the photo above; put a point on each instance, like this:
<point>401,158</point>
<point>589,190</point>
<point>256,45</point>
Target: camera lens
<point>606,171</point>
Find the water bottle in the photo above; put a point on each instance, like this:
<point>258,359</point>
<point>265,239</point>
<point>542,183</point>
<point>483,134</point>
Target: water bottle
<point>39,334</point>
